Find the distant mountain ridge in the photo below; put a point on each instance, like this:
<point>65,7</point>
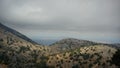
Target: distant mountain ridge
<point>45,42</point>
<point>70,44</point>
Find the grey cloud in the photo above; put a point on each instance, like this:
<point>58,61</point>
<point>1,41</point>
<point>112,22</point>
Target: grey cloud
<point>82,16</point>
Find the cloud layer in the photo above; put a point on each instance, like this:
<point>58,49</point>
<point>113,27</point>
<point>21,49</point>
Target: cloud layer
<point>86,19</point>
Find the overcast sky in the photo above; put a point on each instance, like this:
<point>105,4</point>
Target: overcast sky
<point>97,20</point>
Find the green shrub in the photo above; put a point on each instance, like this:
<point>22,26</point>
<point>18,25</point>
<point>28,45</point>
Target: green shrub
<point>90,65</point>
<point>43,62</point>
<point>1,40</point>
<point>86,56</point>
<point>75,66</point>
<point>116,58</point>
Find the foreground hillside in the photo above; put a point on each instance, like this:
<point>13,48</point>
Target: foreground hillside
<point>18,51</point>
<point>97,56</point>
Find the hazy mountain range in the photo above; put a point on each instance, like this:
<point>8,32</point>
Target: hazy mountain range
<point>18,51</point>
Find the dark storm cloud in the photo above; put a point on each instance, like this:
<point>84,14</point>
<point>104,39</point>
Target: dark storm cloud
<point>79,16</point>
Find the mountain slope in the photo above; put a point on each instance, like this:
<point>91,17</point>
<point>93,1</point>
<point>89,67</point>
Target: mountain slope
<point>69,44</point>
<point>7,29</point>
<point>98,56</point>
<point>18,51</point>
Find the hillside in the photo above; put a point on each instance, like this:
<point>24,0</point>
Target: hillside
<point>69,44</point>
<point>7,29</point>
<point>98,56</point>
<point>18,51</point>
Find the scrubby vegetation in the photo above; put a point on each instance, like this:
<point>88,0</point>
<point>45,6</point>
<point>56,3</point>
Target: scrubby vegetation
<point>17,51</point>
<point>84,57</point>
